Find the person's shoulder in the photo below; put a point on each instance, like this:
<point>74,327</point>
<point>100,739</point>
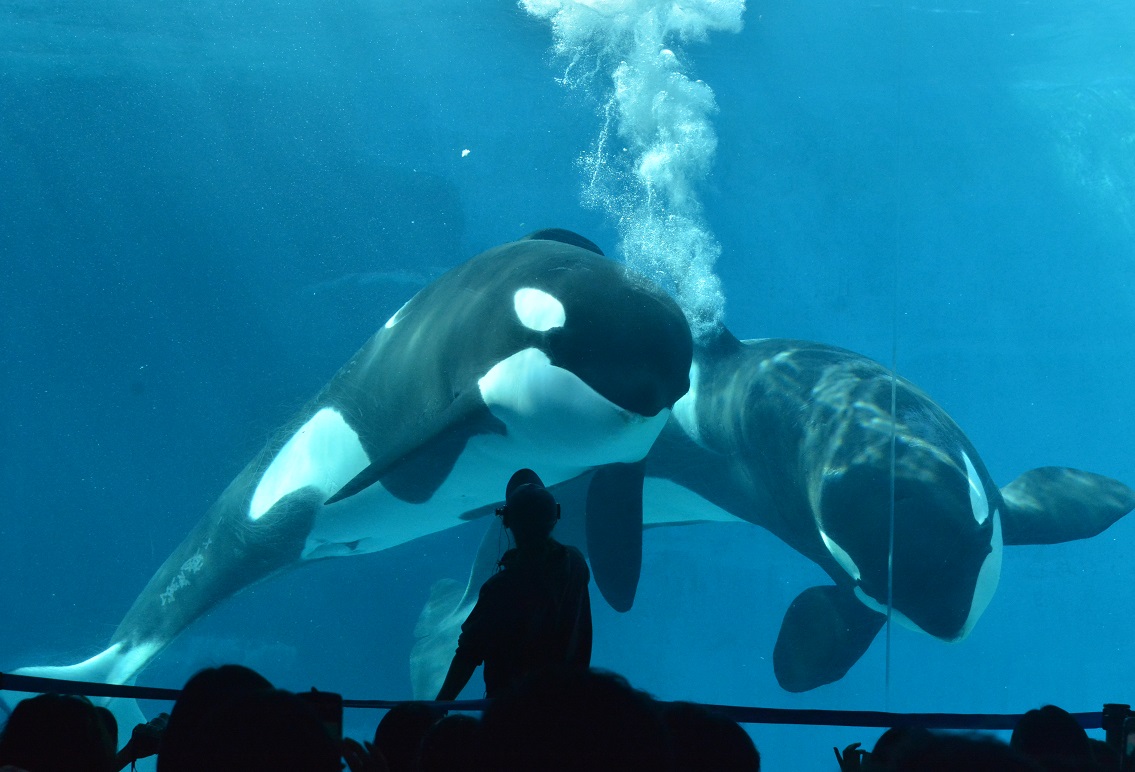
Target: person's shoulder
<point>560,550</point>
<point>494,583</point>
<point>574,554</point>
<point>577,561</point>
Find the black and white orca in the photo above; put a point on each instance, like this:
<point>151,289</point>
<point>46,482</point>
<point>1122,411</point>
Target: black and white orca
<point>538,353</point>
<point>796,437</point>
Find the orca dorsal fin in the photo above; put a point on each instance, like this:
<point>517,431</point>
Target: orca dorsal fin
<point>564,236</point>
<point>1055,504</point>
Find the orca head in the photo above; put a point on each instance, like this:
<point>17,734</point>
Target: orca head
<point>620,334</point>
<point>596,357</point>
<point>625,339</point>
<point>946,542</point>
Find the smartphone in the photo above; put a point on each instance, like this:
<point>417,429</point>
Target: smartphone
<point>328,707</point>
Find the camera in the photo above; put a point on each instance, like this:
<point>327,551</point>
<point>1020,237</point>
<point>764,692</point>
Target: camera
<point>328,708</point>
<point>146,739</point>
<point>1119,730</point>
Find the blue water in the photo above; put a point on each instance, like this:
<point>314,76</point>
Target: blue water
<point>205,209</point>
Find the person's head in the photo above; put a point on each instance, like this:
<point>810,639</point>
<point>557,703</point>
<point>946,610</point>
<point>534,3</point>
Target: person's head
<point>951,751</point>
<point>399,734</point>
<point>231,718</point>
<point>530,512</point>
<point>449,744</point>
<point>565,718</point>
<point>703,739</point>
<point>247,729</point>
<point>214,680</point>
<point>891,743</point>
<point>58,732</point>
<point>1051,735</point>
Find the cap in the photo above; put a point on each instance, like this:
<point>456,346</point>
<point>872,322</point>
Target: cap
<point>530,509</point>
<point>521,477</point>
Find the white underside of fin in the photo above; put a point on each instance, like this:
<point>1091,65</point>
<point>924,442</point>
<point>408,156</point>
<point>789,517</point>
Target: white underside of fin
<point>664,502</point>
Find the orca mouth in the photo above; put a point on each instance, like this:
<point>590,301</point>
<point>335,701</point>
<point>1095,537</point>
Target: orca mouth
<point>553,414</point>
<point>640,363</point>
<point>941,615</point>
<point>944,563</point>
<point>646,397</point>
<point>942,595</point>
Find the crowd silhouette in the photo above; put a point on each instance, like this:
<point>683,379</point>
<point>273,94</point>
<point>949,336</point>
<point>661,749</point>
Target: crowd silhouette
<point>232,718</point>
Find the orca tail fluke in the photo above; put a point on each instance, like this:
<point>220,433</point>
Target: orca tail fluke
<point>222,555</point>
<point>110,666</point>
<point>437,631</point>
<point>1053,504</point>
<point>114,665</point>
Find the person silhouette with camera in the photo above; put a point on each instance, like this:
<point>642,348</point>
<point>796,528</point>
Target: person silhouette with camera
<point>535,612</point>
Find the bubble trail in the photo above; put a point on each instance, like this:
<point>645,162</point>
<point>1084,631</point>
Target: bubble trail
<point>656,142</point>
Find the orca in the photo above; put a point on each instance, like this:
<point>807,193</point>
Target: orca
<point>796,437</point>
<point>801,439</point>
<point>538,353</point>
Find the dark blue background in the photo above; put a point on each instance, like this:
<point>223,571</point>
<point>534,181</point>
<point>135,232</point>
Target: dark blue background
<point>204,210</point>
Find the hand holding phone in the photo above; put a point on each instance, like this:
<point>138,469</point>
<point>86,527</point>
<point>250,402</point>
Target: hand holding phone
<point>328,707</point>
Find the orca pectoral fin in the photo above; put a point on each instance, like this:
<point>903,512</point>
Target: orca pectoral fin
<point>614,531</point>
<point>418,474</point>
<point>1055,504</point>
<point>825,631</point>
<point>414,467</point>
<point>358,483</point>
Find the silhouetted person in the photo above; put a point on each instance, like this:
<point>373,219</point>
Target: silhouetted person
<point>891,743</point>
<point>399,734</point>
<point>1052,737</point>
<point>570,719</point>
<point>888,747</point>
<point>145,740</point>
<point>705,740</point>
<point>231,718</point>
<point>59,733</point>
<point>449,744</point>
<point>959,752</point>
<point>1107,758</point>
<point>536,611</point>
